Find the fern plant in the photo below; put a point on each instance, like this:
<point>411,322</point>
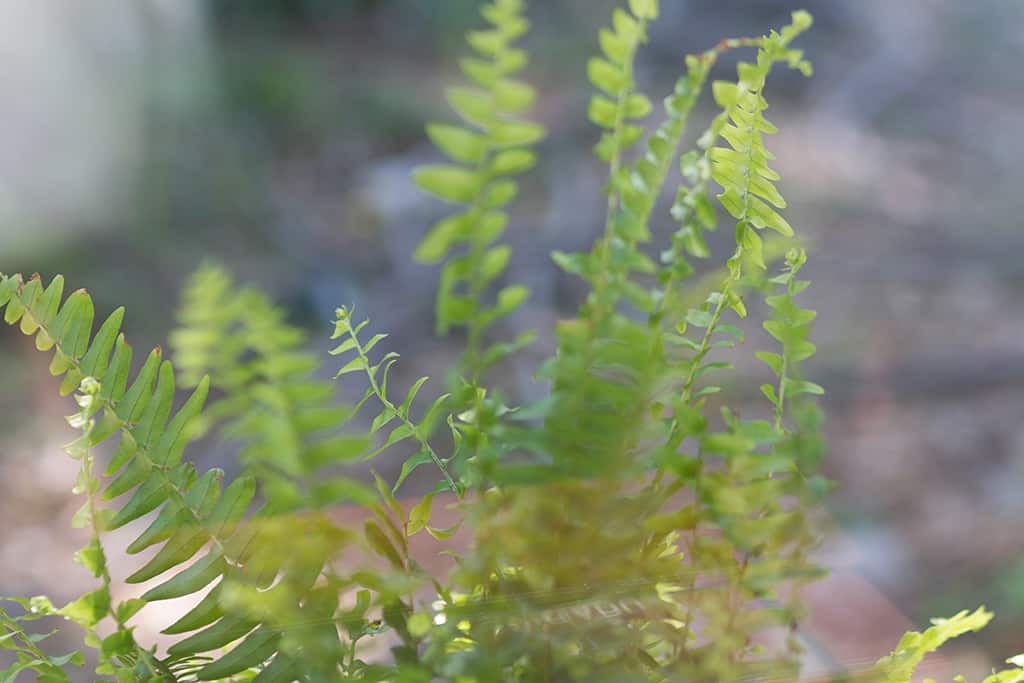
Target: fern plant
<point>629,527</point>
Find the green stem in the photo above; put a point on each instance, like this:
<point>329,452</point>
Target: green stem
<point>474,335</point>
<point>26,641</point>
<point>779,407</point>
<point>615,166</point>
<point>705,343</point>
<point>95,530</point>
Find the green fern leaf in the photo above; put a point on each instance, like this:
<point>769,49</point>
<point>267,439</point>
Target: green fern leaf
<point>494,145</point>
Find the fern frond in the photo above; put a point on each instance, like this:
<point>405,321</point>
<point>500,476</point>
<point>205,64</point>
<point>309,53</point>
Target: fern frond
<point>377,376</point>
<point>618,109</point>
<point>790,326</point>
<point>120,653</point>
<point>899,666</point>
<point>287,420</point>
<point>491,146</point>
<point>147,462</point>
<point>148,459</point>
<point>192,511</point>
<point>740,165</point>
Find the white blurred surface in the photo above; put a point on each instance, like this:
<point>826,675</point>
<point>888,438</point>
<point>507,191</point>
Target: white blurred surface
<point>74,78</point>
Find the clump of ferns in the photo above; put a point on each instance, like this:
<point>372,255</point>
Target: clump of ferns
<point>621,530</point>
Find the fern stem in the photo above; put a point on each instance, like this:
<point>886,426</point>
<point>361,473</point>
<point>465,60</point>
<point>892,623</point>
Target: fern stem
<point>780,406</point>
<point>25,639</point>
<point>615,166</point>
<point>705,342</point>
<point>474,335</point>
<point>91,490</point>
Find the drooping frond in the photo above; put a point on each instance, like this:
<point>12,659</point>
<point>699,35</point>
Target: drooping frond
<point>491,146</point>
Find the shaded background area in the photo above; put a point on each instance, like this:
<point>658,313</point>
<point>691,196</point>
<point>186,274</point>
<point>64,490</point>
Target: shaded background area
<point>137,139</point>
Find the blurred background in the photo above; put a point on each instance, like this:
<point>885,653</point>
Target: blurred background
<point>139,138</point>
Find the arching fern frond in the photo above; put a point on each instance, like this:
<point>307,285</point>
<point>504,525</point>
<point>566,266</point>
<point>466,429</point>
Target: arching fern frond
<point>192,510</point>
<point>148,461</point>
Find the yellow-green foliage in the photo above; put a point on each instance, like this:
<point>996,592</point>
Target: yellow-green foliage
<point>489,147</point>
<point>625,528</point>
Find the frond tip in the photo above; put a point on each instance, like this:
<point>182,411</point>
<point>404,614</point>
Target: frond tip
<point>740,165</point>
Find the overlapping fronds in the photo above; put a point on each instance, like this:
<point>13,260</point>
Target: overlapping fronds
<point>659,540</point>
<point>488,149</point>
<point>601,385</point>
<point>634,190</point>
<point>735,157</point>
<point>193,510</point>
<point>291,427</point>
<point>288,420</point>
